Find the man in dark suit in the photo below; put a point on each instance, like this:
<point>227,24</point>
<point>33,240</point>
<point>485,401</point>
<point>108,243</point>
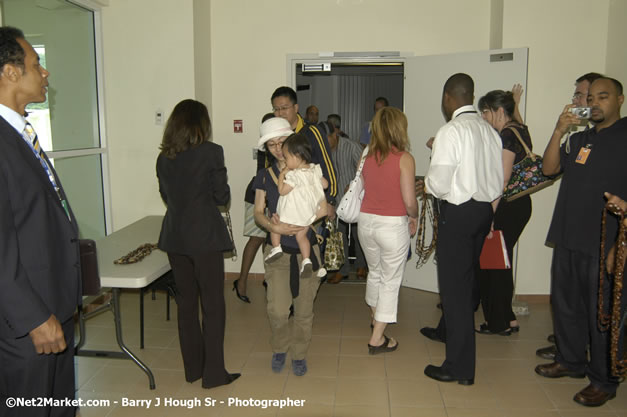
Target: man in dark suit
<point>39,251</point>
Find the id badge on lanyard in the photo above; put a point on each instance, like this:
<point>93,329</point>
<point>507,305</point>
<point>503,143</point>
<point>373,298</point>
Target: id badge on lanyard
<point>584,153</point>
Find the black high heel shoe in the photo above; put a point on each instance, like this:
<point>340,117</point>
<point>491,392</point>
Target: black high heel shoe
<point>483,329</point>
<point>233,377</point>
<point>241,297</point>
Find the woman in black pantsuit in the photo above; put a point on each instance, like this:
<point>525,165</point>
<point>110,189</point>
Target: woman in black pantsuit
<point>496,286</point>
<point>192,183</point>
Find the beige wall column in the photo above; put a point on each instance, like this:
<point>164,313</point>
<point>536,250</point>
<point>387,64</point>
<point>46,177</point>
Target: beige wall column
<point>496,24</point>
<point>202,52</point>
<point>616,61</point>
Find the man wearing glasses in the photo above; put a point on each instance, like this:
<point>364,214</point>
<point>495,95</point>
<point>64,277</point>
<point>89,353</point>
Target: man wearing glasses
<point>285,105</point>
<point>593,167</point>
<point>580,99</point>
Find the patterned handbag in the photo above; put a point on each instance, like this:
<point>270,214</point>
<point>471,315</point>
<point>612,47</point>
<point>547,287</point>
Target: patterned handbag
<point>527,176</point>
<point>334,247</point>
<point>226,215</point>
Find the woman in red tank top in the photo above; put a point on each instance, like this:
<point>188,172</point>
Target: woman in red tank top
<point>387,220</point>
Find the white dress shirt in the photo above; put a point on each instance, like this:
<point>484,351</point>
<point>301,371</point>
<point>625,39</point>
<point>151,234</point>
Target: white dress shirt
<point>13,118</point>
<point>466,160</point>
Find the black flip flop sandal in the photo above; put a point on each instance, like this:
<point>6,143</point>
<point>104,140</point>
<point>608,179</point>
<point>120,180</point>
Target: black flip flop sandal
<point>383,348</point>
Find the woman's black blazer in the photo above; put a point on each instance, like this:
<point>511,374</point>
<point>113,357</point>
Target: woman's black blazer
<point>192,186</point>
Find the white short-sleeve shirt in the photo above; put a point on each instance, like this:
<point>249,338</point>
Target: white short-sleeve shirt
<point>466,160</point>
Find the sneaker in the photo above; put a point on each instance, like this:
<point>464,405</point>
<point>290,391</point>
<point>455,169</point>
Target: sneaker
<point>299,367</point>
<point>275,253</point>
<point>278,362</point>
<point>322,273</point>
<point>306,269</point>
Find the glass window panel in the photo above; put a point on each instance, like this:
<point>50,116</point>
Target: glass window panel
<point>81,177</point>
<point>63,35</point>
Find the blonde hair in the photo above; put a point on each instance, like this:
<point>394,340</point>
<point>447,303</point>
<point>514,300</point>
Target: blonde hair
<point>389,130</point>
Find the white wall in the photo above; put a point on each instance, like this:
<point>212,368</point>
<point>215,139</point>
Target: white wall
<point>241,48</point>
<point>148,48</point>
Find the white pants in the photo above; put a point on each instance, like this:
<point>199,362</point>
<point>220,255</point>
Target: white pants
<point>385,242</point>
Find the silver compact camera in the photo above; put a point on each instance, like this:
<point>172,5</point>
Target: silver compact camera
<point>581,112</point>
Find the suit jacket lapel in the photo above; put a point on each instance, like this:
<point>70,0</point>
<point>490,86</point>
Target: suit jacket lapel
<point>34,164</point>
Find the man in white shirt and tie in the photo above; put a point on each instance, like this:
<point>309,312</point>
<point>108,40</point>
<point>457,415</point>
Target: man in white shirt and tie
<point>466,175</point>
<point>39,249</point>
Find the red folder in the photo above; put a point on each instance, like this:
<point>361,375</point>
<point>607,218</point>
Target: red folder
<point>494,252</point>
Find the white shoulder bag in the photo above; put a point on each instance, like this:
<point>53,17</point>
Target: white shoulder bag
<point>350,205</point>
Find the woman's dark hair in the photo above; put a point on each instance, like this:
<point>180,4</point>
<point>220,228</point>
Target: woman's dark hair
<point>188,126</point>
<point>496,99</point>
<point>298,145</point>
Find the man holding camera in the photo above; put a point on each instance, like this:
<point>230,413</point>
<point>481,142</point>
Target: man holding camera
<point>594,165</point>
<point>580,99</point>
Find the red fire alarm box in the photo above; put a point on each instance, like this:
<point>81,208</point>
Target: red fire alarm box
<point>238,126</point>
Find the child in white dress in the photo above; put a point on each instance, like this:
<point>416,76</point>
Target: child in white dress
<point>301,188</point>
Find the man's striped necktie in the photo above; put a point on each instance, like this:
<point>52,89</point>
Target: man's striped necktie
<point>30,132</point>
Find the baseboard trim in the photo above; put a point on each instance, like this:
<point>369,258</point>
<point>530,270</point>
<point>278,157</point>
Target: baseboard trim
<point>533,298</point>
<point>251,276</point>
<point>527,298</point>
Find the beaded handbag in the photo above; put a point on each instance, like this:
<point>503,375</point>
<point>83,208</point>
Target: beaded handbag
<point>333,247</point>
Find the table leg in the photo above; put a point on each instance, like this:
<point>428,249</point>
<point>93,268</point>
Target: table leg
<point>81,330</point>
<point>114,306</point>
<point>118,334</point>
<point>141,318</point>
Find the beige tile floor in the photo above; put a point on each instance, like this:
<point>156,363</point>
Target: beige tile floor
<point>343,380</point>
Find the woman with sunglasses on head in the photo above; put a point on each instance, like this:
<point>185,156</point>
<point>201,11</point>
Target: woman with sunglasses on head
<point>499,108</point>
